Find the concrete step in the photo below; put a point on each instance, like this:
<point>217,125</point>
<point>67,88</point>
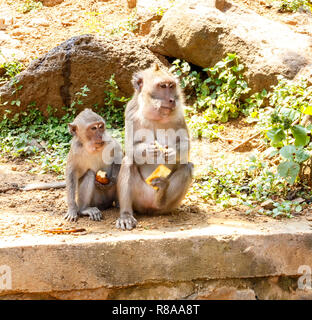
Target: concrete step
<point>232,260</point>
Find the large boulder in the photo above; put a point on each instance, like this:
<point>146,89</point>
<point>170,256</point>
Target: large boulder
<point>202,34</point>
<point>54,78</point>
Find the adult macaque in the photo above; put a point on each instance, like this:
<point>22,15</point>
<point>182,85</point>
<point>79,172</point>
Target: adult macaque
<point>92,149</point>
<point>156,133</point>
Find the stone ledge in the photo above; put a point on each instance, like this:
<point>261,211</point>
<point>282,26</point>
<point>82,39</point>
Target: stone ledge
<point>42,264</point>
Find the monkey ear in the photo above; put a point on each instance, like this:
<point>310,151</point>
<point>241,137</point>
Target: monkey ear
<point>137,81</point>
<point>72,129</point>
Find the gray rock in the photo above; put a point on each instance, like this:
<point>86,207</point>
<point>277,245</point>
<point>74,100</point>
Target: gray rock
<point>54,78</point>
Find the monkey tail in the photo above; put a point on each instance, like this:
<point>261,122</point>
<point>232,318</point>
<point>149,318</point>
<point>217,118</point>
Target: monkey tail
<point>44,186</point>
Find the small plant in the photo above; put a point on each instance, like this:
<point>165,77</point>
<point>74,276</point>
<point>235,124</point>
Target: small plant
<point>78,96</point>
<point>239,184</point>
<point>280,123</point>
<point>124,27</point>
<point>201,128</point>
<point>218,94</point>
<point>29,5</point>
<point>285,208</point>
<point>11,69</point>
<point>114,105</point>
<point>253,104</point>
<point>293,5</point>
<point>95,24</point>
<point>160,10</point>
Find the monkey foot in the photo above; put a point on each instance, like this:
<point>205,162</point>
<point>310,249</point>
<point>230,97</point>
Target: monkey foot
<point>126,221</point>
<point>93,212</point>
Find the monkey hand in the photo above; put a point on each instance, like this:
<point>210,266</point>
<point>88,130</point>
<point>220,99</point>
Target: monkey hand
<point>126,221</point>
<point>160,183</point>
<point>153,150</point>
<point>170,155</point>
<point>103,187</point>
<point>71,215</point>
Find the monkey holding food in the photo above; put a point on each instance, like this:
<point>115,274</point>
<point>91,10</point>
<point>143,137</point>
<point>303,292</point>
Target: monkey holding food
<point>92,149</point>
<point>155,134</point>
<point>92,168</point>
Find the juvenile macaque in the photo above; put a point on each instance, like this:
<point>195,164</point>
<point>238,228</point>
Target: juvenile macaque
<point>92,149</point>
<point>156,133</point>
<point>92,168</point>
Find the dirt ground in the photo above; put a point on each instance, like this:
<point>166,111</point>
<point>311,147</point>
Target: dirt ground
<point>33,212</point>
<point>60,22</point>
<point>36,32</point>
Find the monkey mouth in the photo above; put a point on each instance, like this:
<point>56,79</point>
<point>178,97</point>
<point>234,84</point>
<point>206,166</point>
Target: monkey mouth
<point>166,110</point>
<point>99,145</point>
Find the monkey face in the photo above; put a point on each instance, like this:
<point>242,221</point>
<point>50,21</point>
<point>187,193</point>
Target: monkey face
<point>94,137</point>
<point>161,100</point>
<point>159,94</point>
<point>89,129</point>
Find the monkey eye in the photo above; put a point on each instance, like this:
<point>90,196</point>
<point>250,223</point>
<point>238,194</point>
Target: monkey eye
<point>101,126</point>
<point>93,128</point>
<point>163,85</point>
<point>171,85</point>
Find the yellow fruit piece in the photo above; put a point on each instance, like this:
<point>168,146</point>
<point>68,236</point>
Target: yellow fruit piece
<point>160,171</point>
<point>101,177</point>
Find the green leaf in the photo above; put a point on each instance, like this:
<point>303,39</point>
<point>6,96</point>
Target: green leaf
<point>276,135</point>
<point>264,93</point>
<point>276,212</point>
<point>288,152</point>
<point>298,208</point>
<point>289,170</point>
<point>231,56</point>
<point>302,155</point>
<point>308,110</point>
<point>300,134</point>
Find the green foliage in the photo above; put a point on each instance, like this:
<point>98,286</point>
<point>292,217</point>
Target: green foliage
<point>240,184</point>
<point>45,140</point>
<point>253,104</point>
<point>219,92</point>
<point>285,165</point>
<point>201,128</point>
<point>247,184</point>
<point>29,5</point>
<point>114,105</point>
<point>293,5</point>
<point>280,123</point>
<point>11,69</point>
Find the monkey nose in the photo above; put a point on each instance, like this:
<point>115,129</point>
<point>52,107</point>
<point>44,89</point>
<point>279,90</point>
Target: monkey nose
<point>172,103</point>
